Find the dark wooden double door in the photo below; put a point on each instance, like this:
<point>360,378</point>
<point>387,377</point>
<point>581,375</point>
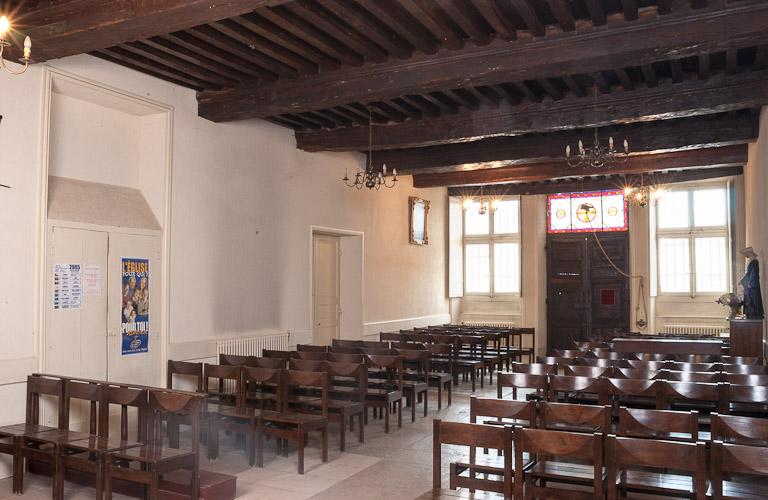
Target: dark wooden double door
<point>586,296</point>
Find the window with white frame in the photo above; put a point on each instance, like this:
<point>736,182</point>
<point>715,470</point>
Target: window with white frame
<point>492,248</point>
<point>693,240</point>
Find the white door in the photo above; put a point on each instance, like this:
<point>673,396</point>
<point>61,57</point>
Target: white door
<point>131,357</point>
<point>325,289</point>
<point>76,316</point>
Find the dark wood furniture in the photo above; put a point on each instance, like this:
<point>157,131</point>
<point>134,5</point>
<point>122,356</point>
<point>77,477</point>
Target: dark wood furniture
<point>668,346</point>
<point>415,378</point>
<point>387,391</point>
<point>728,459</point>
<point>746,337</point>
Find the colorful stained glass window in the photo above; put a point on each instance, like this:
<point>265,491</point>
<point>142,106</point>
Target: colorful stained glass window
<point>591,211</point>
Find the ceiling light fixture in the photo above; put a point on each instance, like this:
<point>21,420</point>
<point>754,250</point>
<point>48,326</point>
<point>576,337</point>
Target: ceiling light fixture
<point>5,29</point>
<point>370,177</point>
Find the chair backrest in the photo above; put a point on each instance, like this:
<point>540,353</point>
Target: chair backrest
<point>605,363</point>
<point>545,443</point>
<point>659,424</point>
<point>313,348</point>
<point>699,392</point>
<point>564,383</point>
<point>473,436</point>
<point>301,379</point>
<point>354,372</point>
<point>346,349</point>
<point>260,381</point>
<point>694,367</point>
<point>696,358</point>
<point>506,411</point>
<point>124,397</point>
<point>275,353</point>
<point>390,336</point>
<point>750,399</point>
<point>746,379</point>
<point>521,381</point>
<point>745,369</point>
<point>688,376</point>
<point>316,355</point>
<point>378,351</point>
<point>588,371</point>
<point>625,452</point>
<point>741,360</point>
<point>617,388</point>
<point>226,384</point>
<point>575,417</point>
<point>164,402</point>
<point>340,357</point>
<point>185,370</point>
<point>739,430</point>
<point>393,364</point>
<point>265,362</point>
<point>234,359</point>
<point>568,353</point>
<point>417,360</point>
<point>89,392</point>
<point>557,360</point>
<point>306,365</point>
<point>729,459</point>
<point>648,365</point>
<point>373,344</point>
<point>637,373</point>
<point>534,368</point>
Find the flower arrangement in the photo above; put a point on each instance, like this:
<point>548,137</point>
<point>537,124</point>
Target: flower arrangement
<point>733,301</point>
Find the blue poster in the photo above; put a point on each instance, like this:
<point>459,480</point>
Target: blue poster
<point>134,327</point>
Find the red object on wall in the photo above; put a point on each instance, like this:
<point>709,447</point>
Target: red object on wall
<point>608,297</point>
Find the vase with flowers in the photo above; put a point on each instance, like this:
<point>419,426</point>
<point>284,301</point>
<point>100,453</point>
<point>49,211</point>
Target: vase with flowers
<point>732,301</point>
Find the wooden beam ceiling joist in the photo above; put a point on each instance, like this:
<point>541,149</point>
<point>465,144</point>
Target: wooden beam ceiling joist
<point>597,182</point>
<point>70,27</point>
<point>728,156</point>
<point>690,98</point>
<point>652,137</point>
<point>617,44</point>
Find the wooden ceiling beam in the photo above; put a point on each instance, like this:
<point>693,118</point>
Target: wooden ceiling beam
<point>529,16</point>
<point>563,12</point>
<point>493,15</point>
<point>398,19</point>
<point>661,136</point>
<point>70,27</point>
<point>596,12</point>
<point>197,59</point>
<point>599,182</point>
<point>468,19</point>
<point>690,98</point>
<point>630,9</point>
<point>620,44</point>
<point>728,156</point>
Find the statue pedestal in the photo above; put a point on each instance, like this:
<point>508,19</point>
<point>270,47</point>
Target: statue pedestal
<point>747,337</point>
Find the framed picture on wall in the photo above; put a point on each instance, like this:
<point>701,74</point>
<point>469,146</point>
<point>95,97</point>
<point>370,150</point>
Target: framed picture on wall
<point>418,215</point>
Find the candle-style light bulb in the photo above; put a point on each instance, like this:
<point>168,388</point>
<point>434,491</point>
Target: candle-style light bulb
<point>394,173</point>
<point>626,146</point>
<point>610,143</point>
<point>581,147</point>
<point>568,151</point>
<point>384,169</point>
<point>5,26</point>
<point>27,48</point>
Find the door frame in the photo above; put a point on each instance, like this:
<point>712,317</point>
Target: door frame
<point>344,292</point>
<point>51,76</point>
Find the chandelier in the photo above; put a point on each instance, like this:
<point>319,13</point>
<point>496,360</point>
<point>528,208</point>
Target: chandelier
<point>5,28</point>
<point>597,155</point>
<point>370,177</point>
<point>484,205</point>
<point>642,194</point>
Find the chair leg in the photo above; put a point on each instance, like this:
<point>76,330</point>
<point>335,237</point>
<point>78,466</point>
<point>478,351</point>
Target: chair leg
<point>386,420</point>
<point>58,474</point>
<point>107,474</point>
<point>259,448</point>
<point>325,443</point>
<point>18,467</point>
<point>361,430</point>
<point>425,401</point>
<point>343,431</point>
<point>399,412</point>
<point>439,396</point>
<point>301,451</point>
<point>413,406</point>
<point>195,483</point>
<point>450,391</point>
<point>154,486</point>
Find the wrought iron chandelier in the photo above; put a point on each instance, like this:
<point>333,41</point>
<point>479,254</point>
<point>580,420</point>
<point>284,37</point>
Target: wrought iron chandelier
<point>370,177</point>
<point>5,28</point>
<point>597,155</point>
<point>484,205</point>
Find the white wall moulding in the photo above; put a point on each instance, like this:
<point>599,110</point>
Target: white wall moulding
<point>372,329</point>
<point>13,371</point>
<point>207,349</point>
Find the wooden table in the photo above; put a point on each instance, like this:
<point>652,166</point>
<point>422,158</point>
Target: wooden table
<point>668,346</point>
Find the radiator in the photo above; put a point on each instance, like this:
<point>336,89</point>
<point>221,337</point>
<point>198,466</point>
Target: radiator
<point>492,324</point>
<point>713,330</point>
<point>253,346</point>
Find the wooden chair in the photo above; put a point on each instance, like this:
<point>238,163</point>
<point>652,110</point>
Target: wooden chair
<point>88,455</point>
<point>221,383</point>
<point>390,336</point>
<point>687,376</point>
<point>316,355</point>
<point>12,436</point>
<point>588,371</point>
<point>522,381</point>
<point>305,365</point>
<point>415,379</point>
<point>183,375</point>
<point>570,353</point>
<point>746,400</point>
<point>265,362</point>
<point>235,359</point>
<point>705,397</point>
<point>659,424</point>
<point>574,389</point>
<point>293,426</point>
<point>503,411</point>
<point>559,361</point>
<point>637,373</point>
<point>748,431</point>
<point>313,348</point>
<point>470,359</point>
<point>729,459</point>
<point>741,360</point>
<point>337,357</point>
<point>389,391</point>
<point>575,418</point>
<point>351,402</point>
<point>647,365</point>
<point>535,479</point>
<point>645,465</point>
<point>276,353</point>
<point>746,379</point>
<point>606,363</point>
<point>441,370</point>
<point>745,369</point>
<point>146,464</point>
<point>473,436</point>
<point>534,368</point>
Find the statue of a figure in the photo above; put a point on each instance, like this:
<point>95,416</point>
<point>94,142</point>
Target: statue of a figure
<point>753,298</point>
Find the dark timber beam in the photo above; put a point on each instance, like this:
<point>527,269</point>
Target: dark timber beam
<point>70,27</point>
<point>660,136</point>
<point>729,156</point>
<point>690,98</point>
<point>617,44</point>
<point>597,182</point>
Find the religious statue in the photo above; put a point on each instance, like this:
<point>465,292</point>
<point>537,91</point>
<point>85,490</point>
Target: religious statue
<point>753,298</point>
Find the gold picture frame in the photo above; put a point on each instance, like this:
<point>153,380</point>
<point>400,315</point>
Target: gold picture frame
<point>418,216</point>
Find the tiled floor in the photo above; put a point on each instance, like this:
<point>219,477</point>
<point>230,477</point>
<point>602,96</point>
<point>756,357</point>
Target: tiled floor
<point>397,465</point>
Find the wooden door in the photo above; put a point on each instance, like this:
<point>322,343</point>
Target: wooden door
<point>586,296</point>
<point>325,289</point>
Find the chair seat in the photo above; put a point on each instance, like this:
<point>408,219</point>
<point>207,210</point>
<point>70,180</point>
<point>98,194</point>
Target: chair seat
<point>444,494</point>
<point>651,481</point>
<point>569,472</point>
<point>413,385</point>
<point>100,444</point>
<point>293,418</point>
<point>21,429</point>
<point>56,436</point>
<point>380,393</point>
<point>148,453</point>
<point>753,490</point>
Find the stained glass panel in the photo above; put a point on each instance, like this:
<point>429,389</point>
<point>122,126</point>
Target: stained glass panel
<point>590,211</point>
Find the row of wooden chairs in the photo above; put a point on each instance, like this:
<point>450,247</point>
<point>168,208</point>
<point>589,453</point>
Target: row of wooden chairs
<point>608,353</point>
<point>654,365</point>
<point>576,445</point>
<point>661,394</point>
<point>132,451</point>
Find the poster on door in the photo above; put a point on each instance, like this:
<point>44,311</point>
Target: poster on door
<point>135,308</point>
<point>67,289</point>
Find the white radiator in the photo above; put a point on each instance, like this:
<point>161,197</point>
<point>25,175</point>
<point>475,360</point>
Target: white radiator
<point>253,346</point>
<point>492,324</point>
<point>713,330</point>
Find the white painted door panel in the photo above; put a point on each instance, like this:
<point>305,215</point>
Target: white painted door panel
<point>325,289</point>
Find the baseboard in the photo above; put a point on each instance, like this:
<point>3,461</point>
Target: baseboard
<point>371,330</point>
